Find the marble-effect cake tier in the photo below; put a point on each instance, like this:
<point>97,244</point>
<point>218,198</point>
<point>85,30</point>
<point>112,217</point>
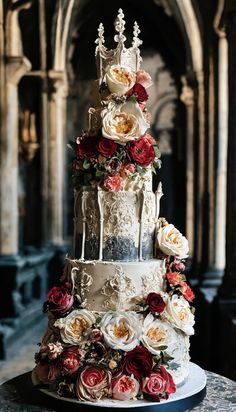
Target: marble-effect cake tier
<point>115,226</point>
<point>115,285</point>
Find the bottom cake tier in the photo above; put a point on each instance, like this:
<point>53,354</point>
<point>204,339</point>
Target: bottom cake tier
<point>116,330</point>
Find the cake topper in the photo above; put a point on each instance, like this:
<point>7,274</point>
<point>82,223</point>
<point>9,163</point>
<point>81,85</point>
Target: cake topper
<point>126,57</point>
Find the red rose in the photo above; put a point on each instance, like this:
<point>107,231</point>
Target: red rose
<point>86,146</point>
<point>159,384</point>
<point>155,302</point>
<point>93,384</point>
<point>106,147</point>
<point>59,300</point>
<point>113,183</point>
<point>71,360</point>
<point>187,291</point>
<point>138,362</point>
<point>139,92</point>
<point>141,151</point>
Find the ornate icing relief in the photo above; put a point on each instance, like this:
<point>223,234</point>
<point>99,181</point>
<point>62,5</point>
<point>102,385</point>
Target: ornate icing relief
<point>81,283</point>
<point>153,281</point>
<point>121,215</point>
<point>118,290</point>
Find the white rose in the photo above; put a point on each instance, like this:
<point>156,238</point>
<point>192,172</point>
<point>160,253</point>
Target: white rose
<point>158,333</point>
<point>74,326</point>
<point>119,79</point>
<point>121,330</point>
<point>123,123</point>
<point>172,242</point>
<point>178,313</point>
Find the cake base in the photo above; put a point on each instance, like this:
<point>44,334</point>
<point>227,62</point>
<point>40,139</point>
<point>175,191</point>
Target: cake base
<point>187,396</point>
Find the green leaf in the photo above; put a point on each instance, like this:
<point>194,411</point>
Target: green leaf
<point>157,151</point>
<point>86,164</point>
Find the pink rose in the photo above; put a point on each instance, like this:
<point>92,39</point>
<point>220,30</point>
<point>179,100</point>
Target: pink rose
<point>143,78</point>
<point>124,387</point>
<point>149,138</point>
<point>128,170</point>
<point>174,278</point>
<point>186,291</point>
<point>158,385</point>
<point>71,360</point>
<point>113,183</point>
<point>178,266</point>
<point>93,384</point>
<point>45,373</point>
<point>60,300</point>
<point>54,350</point>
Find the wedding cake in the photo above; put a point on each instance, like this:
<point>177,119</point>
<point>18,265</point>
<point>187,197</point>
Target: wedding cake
<point>120,321</point>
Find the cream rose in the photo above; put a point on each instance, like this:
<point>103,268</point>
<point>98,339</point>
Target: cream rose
<point>178,313</point>
<point>119,79</point>
<point>123,123</point>
<point>156,334</point>
<point>121,330</point>
<point>171,242</point>
<point>74,326</point>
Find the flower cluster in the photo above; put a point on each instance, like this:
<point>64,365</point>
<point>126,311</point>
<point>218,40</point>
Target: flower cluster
<point>121,151</point>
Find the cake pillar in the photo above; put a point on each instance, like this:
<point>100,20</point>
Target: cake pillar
<point>16,65</point>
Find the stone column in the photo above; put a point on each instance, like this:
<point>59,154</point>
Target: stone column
<point>56,156</point>
<point>222,156</point>
<point>229,283</point>
<point>16,65</point>
<point>187,97</point>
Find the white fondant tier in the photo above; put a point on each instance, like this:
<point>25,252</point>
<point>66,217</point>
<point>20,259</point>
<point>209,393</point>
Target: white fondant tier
<point>114,285</point>
<point>115,226</point>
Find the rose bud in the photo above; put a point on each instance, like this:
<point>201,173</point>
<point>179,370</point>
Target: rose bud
<point>155,302</point>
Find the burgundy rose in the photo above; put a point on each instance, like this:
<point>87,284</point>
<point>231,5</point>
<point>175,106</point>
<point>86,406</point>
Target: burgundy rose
<point>45,373</point>
<point>139,92</point>
<point>141,151</point>
<point>59,300</point>
<point>86,146</point>
<point>155,302</point>
<point>138,362</point>
<point>106,147</point>
<point>71,360</point>
<point>93,384</point>
<point>159,384</point>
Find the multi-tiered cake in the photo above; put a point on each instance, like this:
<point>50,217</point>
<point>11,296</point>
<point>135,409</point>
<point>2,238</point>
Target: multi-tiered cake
<point>119,323</point>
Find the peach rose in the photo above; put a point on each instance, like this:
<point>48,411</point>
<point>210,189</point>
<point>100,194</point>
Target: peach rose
<point>124,387</point>
<point>143,78</point>
<point>113,183</point>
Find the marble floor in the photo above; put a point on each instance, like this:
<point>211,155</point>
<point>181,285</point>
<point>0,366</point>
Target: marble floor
<point>23,360</point>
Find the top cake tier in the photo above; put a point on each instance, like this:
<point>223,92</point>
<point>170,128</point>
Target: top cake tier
<point>116,211</point>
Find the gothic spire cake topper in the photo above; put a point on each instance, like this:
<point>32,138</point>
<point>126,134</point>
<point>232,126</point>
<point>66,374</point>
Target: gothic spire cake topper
<point>127,57</point>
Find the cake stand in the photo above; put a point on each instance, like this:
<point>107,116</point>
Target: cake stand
<point>189,394</point>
